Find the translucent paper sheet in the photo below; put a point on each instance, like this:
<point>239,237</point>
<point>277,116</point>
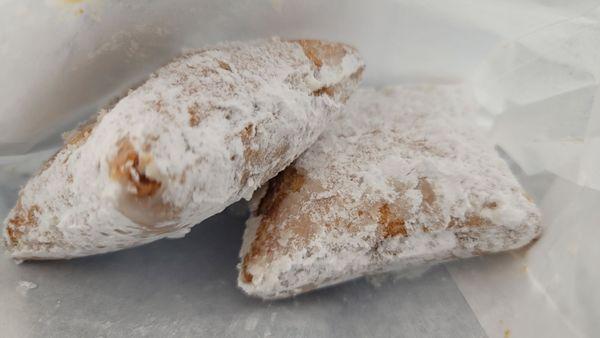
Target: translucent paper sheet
<point>540,92</point>
<point>533,65</point>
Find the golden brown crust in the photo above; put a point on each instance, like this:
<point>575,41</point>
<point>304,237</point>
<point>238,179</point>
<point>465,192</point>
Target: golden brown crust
<point>324,90</point>
<point>251,156</point>
<point>23,218</point>
<point>194,112</point>
<point>310,50</point>
<point>143,205</point>
<point>321,53</point>
<point>391,225</point>
<point>317,51</point>
<point>427,191</point>
<point>75,138</point>
<point>27,218</point>
<point>288,181</point>
<point>470,221</point>
<point>224,65</point>
<point>81,134</point>
<point>128,168</point>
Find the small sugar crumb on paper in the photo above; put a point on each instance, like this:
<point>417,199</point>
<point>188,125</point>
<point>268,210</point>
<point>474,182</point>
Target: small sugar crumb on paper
<point>23,287</point>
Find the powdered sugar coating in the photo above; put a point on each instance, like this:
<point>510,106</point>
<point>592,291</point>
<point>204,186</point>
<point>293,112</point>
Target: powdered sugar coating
<point>201,133</point>
<point>401,179</point>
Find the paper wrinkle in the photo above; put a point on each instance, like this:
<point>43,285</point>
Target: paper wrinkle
<point>543,90</point>
<point>565,260</point>
<point>539,88</point>
<point>550,289</point>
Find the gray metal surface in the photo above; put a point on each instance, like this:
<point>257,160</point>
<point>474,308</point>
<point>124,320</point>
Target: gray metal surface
<point>187,287</point>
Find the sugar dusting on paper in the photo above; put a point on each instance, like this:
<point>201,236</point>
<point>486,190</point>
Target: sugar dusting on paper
<point>23,287</point>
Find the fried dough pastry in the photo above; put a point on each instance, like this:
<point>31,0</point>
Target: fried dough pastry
<point>401,179</point>
<point>202,132</point>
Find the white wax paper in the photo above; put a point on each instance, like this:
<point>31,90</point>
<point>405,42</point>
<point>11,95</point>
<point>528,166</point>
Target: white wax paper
<point>539,91</point>
<point>533,64</point>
